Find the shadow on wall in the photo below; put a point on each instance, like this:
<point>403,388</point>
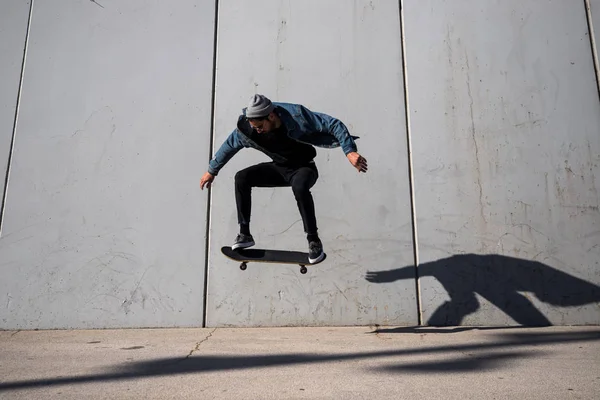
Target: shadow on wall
<point>499,279</point>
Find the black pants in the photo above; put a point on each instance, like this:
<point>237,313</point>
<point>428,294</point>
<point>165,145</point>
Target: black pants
<point>269,174</point>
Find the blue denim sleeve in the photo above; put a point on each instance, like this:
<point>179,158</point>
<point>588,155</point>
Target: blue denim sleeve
<point>324,123</point>
<point>228,149</point>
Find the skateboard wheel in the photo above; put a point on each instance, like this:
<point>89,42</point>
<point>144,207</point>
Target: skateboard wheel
<point>243,266</point>
<point>303,269</point>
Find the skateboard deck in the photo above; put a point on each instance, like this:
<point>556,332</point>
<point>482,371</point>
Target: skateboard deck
<point>268,256</point>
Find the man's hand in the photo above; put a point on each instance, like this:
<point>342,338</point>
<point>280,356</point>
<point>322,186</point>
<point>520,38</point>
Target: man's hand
<point>358,161</point>
<point>206,180</point>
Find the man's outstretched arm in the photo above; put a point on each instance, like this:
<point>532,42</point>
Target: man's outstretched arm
<point>228,149</point>
<point>327,124</point>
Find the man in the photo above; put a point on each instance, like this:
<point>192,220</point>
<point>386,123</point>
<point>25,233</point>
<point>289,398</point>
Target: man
<point>286,133</point>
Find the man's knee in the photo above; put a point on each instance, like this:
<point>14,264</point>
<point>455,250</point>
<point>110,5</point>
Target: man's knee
<point>301,187</point>
<point>241,177</point>
<point>303,182</point>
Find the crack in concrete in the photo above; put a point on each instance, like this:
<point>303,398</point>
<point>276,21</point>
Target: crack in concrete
<point>473,137</point>
<point>284,231</point>
<point>96,3</point>
<point>199,343</point>
<point>15,333</point>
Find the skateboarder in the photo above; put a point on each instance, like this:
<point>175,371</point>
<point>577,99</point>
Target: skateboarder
<point>286,133</point>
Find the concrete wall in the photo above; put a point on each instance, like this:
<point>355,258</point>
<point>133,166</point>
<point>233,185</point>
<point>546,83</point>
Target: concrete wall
<point>105,225</point>
<point>13,30</point>
<point>364,220</point>
<point>505,121</point>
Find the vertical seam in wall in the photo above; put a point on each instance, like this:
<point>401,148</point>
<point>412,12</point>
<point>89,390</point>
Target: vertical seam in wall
<point>410,168</point>
<point>211,144</point>
<point>588,12</point>
<point>16,118</point>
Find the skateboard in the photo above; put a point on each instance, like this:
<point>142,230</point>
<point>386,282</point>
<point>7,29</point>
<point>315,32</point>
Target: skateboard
<point>269,256</point>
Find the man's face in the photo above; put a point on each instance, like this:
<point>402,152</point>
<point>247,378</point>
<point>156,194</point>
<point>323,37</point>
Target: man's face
<point>263,125</point>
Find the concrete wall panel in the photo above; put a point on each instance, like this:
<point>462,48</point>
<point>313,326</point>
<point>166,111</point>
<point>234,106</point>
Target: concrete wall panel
<point>13,30</point>
<point>105,224</point>
<point>343,59</point>
<point>505,121</point>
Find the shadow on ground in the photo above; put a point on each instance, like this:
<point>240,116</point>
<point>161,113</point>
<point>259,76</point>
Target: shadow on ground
<point>498,279</point>
<point>479,357</point>
<point>425,329</point>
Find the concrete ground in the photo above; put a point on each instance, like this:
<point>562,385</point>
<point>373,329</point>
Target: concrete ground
<point>299,363</point>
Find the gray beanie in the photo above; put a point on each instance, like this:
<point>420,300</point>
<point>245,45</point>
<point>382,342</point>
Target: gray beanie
<point>259,106</point>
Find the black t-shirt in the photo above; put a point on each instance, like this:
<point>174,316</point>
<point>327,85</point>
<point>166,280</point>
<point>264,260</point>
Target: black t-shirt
<point>278,142</point>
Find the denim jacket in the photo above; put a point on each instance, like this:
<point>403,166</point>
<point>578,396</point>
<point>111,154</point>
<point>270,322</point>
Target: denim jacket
<point>303,125</point>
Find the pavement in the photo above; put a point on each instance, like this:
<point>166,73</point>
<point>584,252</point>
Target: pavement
<point>302,363</point>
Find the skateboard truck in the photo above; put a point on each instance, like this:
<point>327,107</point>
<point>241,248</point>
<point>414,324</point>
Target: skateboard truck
<point>303,269</point>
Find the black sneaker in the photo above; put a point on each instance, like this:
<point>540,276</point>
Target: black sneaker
<point>243,241</point>
<point>315,252</point>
